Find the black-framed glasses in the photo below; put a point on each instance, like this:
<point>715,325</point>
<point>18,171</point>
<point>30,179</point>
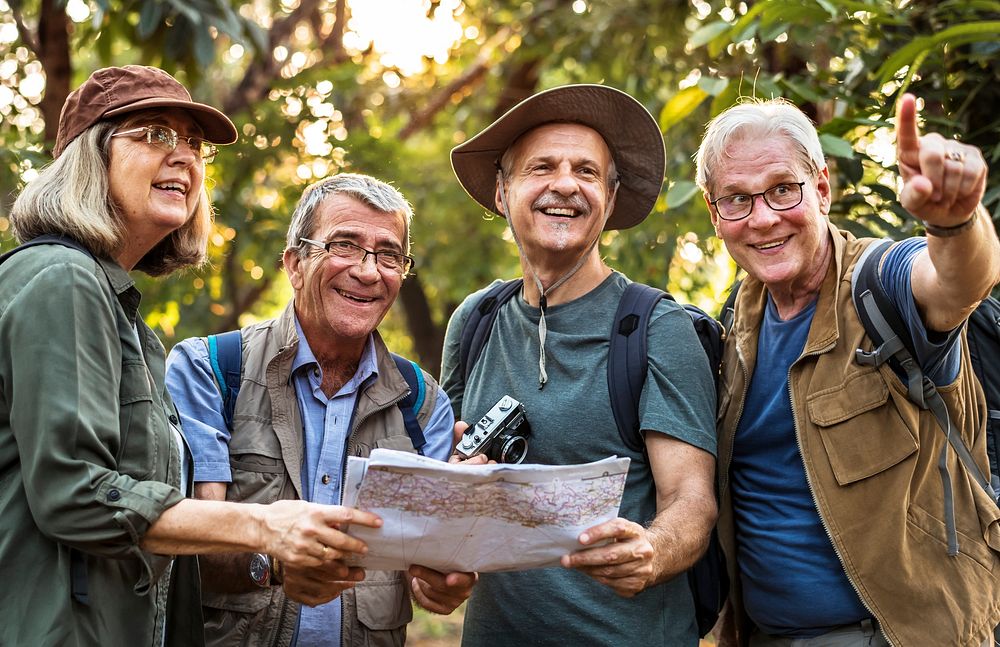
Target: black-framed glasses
<point>391,261</point>
<point>167,139</point>
<point>780,197</point>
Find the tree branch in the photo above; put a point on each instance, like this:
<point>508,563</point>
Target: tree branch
<point>472,75</point>
<point>264,68</point>
<point>27,37</point>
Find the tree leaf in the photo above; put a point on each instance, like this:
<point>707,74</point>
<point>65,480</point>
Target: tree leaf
<point>836,147</point>
<point>708,33</point>
<point>956,35</point>
<point>680,106</point>
<point>680,192</point>
<point>149,18</point>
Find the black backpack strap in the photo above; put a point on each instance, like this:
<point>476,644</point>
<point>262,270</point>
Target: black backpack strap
<point>480,323</point>
<point>628,359</point>
<point>411,404</point>
<point>48,239</point>
<point>984,340</point>
<point>893,343</point>
<point>728,313</point>
<point>225,354</point>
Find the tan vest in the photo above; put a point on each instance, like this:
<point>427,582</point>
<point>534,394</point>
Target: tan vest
<point>871,459</point>
<point>265,454</point>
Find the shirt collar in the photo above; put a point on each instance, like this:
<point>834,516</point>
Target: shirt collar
<point>304,357</point>
<point>124,287</point>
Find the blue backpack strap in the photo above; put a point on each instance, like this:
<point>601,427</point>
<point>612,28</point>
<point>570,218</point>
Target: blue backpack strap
<point>411,404</point>
<point>628,359</point>
<point>480,323</point>
<point>225,354</point>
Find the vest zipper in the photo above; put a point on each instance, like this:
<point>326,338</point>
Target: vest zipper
<point>281,619</point>
<point>352,451</point>
<point>812,494</point>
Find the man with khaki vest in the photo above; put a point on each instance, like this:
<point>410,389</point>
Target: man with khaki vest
<point>846,517</point>
<point>318,384</point>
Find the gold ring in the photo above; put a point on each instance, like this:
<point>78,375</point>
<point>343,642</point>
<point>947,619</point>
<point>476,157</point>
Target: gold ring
<point>955,156</point>
<point>326,552</point>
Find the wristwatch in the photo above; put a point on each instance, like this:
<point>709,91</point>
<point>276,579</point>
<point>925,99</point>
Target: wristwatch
<point>260,569</point>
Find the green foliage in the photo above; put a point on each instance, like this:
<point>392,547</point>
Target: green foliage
<point>845,62</point>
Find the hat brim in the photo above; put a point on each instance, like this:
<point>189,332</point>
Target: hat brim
<point>630,132</point>
<point>215,126</point>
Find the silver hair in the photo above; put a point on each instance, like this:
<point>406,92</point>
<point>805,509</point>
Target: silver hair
<point>760,119</point>
<point>72,197</point>
<point>374,193</point>
<point>507,159</point>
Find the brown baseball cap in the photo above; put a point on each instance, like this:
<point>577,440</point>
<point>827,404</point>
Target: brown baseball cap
<point>113,91</point>
<point>628,129</point>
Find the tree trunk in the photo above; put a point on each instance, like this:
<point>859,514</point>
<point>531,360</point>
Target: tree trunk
<point>428,338</point>
<point>53,53</point>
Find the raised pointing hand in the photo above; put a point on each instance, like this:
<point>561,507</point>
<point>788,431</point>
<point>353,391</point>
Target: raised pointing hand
<point>943,179</point>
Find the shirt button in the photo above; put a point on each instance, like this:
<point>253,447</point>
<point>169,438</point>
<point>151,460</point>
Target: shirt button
<point>114,495</point>
<point>326,479</point>
<point>173,419</point>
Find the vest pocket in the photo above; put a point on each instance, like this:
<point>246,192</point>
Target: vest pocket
<point>257,478</point>
<point>383,604</point>
<point>861,435</point>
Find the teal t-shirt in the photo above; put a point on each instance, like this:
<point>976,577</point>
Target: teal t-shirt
<point>571,422</point>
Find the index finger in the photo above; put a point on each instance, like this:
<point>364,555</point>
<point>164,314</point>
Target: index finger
<point>460,427</point>
<point>907,134</point>
<point>615,529</point>
<point>336,515</point>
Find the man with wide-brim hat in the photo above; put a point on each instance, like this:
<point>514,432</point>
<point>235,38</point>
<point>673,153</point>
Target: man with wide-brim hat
<point>562,167</point>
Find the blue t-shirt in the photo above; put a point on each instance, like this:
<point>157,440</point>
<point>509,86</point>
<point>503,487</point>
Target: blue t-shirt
<point>326,423</point>
<point>793,581</point>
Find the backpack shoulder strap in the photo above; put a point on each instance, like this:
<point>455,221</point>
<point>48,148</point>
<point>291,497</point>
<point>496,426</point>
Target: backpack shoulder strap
<point>628,359</point>
<point>411,404</point>
<point>478,326</point>
<point>893,343</point>
<point>48,239</point>
<point>225,354</point>
<point>889,335</point>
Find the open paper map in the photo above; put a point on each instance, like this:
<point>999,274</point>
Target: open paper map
<point>477,518</point>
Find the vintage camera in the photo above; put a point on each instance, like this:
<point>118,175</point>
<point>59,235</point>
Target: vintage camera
<point>502,434</point>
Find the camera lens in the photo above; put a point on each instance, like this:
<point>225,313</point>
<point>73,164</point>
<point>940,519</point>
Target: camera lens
<point>514,449</point>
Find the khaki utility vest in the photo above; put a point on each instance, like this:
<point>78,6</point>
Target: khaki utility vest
<point>871,455</point>
<point>265,454</point>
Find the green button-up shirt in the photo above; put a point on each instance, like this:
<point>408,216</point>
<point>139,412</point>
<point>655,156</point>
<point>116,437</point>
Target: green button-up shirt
<point>88,459</point>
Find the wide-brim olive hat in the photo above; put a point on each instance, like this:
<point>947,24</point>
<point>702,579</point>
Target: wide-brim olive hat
<point>629,130</point>
<point>114,91</point>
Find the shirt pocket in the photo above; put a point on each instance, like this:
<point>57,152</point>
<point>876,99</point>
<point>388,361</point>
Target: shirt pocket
<point>862,436</point>
<point>138,449</point>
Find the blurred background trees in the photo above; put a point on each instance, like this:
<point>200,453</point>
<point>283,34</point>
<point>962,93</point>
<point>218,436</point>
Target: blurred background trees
<point>388,87</point>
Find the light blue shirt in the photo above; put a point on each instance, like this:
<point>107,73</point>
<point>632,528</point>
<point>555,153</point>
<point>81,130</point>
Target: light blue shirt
<point>327,426</point>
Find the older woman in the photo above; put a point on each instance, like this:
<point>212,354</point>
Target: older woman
<point>92,467</point>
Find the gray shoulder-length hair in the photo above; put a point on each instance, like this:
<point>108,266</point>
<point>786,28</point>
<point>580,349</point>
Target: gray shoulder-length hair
<point>72,197</point>
<point>758,119</point>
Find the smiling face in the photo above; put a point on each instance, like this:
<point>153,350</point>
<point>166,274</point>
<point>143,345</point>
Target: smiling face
<point>557,191</point>
<point>787,250</point>
<point>340,302</point>
<point>154,191</point>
